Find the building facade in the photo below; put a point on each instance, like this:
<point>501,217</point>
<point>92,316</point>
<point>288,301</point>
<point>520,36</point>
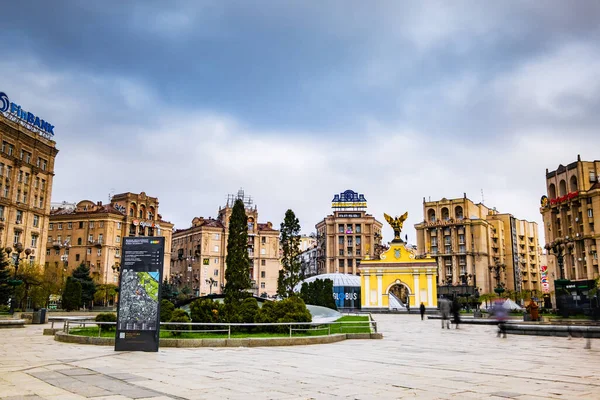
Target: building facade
<point>569,210</point>
<point>92,233</point>
<point>347,236</point>
<point>26,175</point>
<point>477,248</point>
<point>199,252</point>
<point>308,261</point>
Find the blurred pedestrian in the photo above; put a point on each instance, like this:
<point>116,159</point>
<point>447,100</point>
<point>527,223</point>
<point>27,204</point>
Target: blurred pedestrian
<point>532,309</point>
<point>445,311</point>
<point>500,314</point>
<point>456,312</point>
<point>422,310</point>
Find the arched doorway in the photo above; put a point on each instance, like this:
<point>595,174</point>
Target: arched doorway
<point>398,293</point>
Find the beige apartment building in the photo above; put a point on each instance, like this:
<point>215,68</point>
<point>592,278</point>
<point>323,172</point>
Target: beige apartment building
<point>347,236</point>
<point>92,234</point>
<point>26,174</point>
<point>477,248</point>
<point>569,211</point>
<point>199,252</point>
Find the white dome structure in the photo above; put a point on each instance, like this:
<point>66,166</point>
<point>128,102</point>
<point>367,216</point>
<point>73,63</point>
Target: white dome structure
<point>345,280</point>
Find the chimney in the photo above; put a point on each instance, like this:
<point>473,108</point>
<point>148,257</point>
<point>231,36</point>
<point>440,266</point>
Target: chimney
<point>99,204</point>
<point>578,157</point>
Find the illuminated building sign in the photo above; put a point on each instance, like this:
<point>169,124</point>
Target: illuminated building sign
<point>544,275</point>
<point>349,215</point>
<point>349,199</point>
<point>561,199</point>
<point>15,113</point>
<point>145,224</point>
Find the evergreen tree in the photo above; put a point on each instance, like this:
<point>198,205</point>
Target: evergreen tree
<point>237,273</point>
<point>168,291</point>
<point>5,288</point>
<point>71,299</point>
<point>88,287</point>
<point>290,261</point>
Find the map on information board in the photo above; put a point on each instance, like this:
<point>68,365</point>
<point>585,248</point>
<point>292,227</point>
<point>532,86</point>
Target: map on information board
<point>139,309</point>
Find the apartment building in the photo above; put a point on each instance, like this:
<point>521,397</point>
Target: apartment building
<point>200,251</point>
<point>478,248</point>
<point>347,236</point>
<point>92,233</point>
<point>569,211</point>
<point>26,175</point>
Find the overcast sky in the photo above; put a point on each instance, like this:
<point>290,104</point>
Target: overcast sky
<point>298,100</point>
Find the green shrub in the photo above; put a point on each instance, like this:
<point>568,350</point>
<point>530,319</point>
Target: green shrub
<point>207,311</point>
<point>71,298</point>
<point>247,310</point>
<point>107,317</point>
<point>166,310</point>
<point>291,309</point>
<point>179,316</point>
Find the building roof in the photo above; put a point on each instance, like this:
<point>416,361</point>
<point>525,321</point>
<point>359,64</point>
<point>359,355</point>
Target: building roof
<point>338,280</point>
<point>201,222</point>
<point>97,209</point>
<point>266,227</point>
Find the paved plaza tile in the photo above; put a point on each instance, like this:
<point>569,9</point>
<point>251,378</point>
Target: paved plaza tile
<point>416,359</point>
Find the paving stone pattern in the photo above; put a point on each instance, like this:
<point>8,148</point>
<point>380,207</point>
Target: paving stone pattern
<point>416,359</point>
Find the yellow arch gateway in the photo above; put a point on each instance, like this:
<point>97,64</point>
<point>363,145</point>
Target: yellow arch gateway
<point>398,277</point>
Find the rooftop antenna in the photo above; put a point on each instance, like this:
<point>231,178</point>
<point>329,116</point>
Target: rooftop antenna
<point>111,194</point>
<point>482,198</point>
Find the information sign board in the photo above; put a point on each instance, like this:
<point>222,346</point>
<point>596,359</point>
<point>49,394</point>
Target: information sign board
<point>138,315</point>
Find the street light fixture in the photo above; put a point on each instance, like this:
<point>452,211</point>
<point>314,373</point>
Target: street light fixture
<point>210,282</point>
<point>497,269</point>
<point>557,248</point>
<point>18,249</point>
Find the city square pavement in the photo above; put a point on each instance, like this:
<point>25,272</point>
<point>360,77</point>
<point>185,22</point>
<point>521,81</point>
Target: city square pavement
<point>416,359</point>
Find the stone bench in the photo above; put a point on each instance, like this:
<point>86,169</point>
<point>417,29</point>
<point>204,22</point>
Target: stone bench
<point>554,330</point>
<point>12,323</point>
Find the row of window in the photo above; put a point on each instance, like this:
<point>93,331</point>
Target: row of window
<point>9,149</point>
<point>88,252</point>
<point>350,240</point>
<point>349,228</point>
<point>80,224</point>
<point>80,240</point>
<point>19,217</point>
<point>18,235</point>
<point>348,262</point>
<point>24,177</point>
<point>458,214</point>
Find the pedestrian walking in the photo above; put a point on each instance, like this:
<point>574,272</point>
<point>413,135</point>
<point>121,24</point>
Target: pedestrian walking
<point>445,311</point>
<point>500,314</point>
<point>456,312</point>
<point>422,310</point>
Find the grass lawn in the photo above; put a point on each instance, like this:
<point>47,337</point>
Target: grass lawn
<point>360,326</point>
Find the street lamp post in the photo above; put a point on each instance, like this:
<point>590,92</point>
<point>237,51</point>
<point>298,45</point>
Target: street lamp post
<point>557,248</point>
<point>15,282</point>
<point>497,270</point>
<point>210,282</point>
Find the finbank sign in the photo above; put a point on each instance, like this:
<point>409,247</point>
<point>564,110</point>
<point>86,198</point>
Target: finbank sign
<point>27,119</point>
